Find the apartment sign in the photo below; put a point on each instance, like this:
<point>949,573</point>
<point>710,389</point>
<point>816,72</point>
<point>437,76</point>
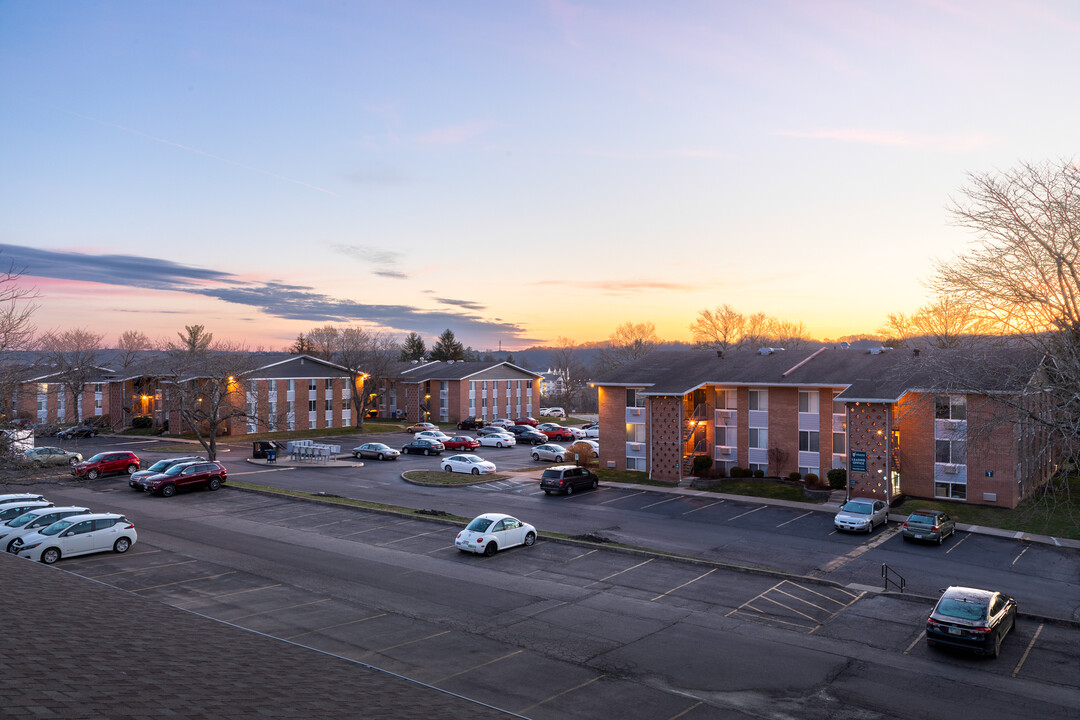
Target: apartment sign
<point>857,462</point>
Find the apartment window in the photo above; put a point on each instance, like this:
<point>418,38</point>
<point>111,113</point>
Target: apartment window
<point>631,398</point>
<point>290,406</point>
<point>808,401</point>
<point>312,384</point>
<point>290,385</point>
<point>635,463</point>
<point>808,440</point>
<point>758,400</point>
<point>329,383</point>
<point>346,404</point>
<point>312,405</point>
<point>483,385</point>
<point>97,403</point>
<point>635,433</point>
<point>804,471</point>
<point>759,438</point>
<point>953,491</point>
<point>950,451</point>
<point>725,399</point>
<point>950,407</point>
<point>252,386</point>
<point>839,444</point>
<point>528,384</point>
<point>508,386</point>
<point>720,433</point>
<point>755,467</point>
<point>97,387</point>
<point>329,405</point>
<point>483,402</point>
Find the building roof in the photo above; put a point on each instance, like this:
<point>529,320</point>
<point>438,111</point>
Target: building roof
<point>877,374</point>
<point>458,370</point>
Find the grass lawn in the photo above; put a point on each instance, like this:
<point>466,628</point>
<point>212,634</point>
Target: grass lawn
<point>440,477</point>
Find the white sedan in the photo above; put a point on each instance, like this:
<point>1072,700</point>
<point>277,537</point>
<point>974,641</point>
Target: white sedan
<point>473,464</point>
<point>492,532</point>
<point>592,430</point>
<point>498,440</point>
<point>549,451</point>
<point>577,432</point>
<point>438,435</point>
<point>78,535</point>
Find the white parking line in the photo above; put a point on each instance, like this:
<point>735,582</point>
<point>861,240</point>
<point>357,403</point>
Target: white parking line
<point>1027,650</point>
<point>718,502</point>
<point>747,513</point>
<point>794,519</point>
<point>661,502</point>
<point>622,498</point>
<point>1019,556</point>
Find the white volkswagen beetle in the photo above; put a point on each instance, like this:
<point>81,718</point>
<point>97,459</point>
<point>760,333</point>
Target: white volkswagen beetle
<point>491,532</point>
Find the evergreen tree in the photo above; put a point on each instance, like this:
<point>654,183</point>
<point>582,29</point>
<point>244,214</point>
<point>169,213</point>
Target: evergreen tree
<point>301,346</point>
<point>413,348</point>
<point>447,348</point>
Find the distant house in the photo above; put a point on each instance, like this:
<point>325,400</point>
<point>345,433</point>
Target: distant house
<point>940,424</point>
<point>450,391</point>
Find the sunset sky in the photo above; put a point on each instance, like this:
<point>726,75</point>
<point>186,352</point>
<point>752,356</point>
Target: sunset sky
<point>513,171</point>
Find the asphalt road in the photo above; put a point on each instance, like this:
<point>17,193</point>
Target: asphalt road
<point>560,631</point>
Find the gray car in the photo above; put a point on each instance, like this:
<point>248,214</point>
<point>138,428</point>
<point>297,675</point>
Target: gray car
<point>48,455</point>
<point>862,515</point>
<point>932,525</point>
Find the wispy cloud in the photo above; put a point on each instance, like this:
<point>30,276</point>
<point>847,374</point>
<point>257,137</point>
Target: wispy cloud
<point>624,287</point>
<point>892,138</point>
<point>186,148</point>
<point>385,262</point>
<point>455,134</point>
<point>292,302</point>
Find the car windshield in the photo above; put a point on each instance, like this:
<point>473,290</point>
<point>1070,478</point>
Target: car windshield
<point>377,446</point>
<point>21,520</point>
<point>922,517</point>
<point>479,525</point>
<point>158,466</point>
<point>175,469</point>
<point>859,508</point>
<point>962,609</point>
<point>58,527</point>
<point>97,458</point>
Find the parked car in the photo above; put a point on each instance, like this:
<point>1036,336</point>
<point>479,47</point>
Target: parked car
<point>552,412</point>
<point>32,521</point>
<point>550,452</point>
<point>592,430</point>
<point>472,464</point>
<point>933,525</point>
<point>19,497</point>
<point>471,423</point>
<point>528,434</point>
<point>592,444</point>
<point>78,535</point>
<point>377,451</point>
<point>577,432</point>
<point>12,510</point>
<point>490,430</point>
<point>106,463</point>
<point>186,476</point>
<point>491,532</point>
<point>461,442</point>
<point>78,431</point>
<point>433,435</point>
<point>861,515</point>
<point>499,440</point>
<point>502,423</point>
<point>423,446</point>
<point>555,431</point>
<point>567,479</point>
<point>971,619</point>
<point>532,422</point>
<point>420,427</point>
<point>46,455</point>
<point>159,467</point>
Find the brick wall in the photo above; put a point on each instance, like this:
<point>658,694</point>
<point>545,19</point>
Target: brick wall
<point>915,416</point>
<point>612,405</point>
<point>783,430</point>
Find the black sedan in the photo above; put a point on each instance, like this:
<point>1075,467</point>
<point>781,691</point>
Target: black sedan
<point>526,434</point>
<point>971,619</point>
<point>423,446</point>
<point>471,423</point>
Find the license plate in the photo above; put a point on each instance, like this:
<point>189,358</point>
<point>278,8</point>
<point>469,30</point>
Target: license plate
<point>955,631</point>
<point>918,537</point>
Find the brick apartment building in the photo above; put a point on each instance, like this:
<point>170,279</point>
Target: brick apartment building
<point>450,391</point>
<point>932,424</point>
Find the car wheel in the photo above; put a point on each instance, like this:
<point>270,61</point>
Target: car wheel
<point>426,451</point>
<point>906,538</point>
<point>356,456</point>
<point>92,474</point>
<point>476,471</point>
<point>940,538</point>
<point>121,545</point>
<point>558,458</point>
<point>215,483</point>
<point>73,461</point>
<point>168,491</point>
<point>491,549</point>
<point>870,527</point>
<point>498,444</point>
<point>536,456</point>
<point>547,492</point>
<point>131,469</point>
<point>447,468</point>
<point>10,546</point>
<point>595,483</point>
<point>569,489</point>
<point>996,649</point>
<point>530,539</point>
<point>381,457</point>
<point>50,556</point>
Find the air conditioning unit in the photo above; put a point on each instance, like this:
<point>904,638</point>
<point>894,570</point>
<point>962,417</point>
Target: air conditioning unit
<point>950,469</point>
<point>723,451</point>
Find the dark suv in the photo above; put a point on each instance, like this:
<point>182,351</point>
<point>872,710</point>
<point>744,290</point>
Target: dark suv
<point>135,481</point>
<point>105,463</point>
<point>186,476</point>
<point>471,423</point>
<point>567,479</point>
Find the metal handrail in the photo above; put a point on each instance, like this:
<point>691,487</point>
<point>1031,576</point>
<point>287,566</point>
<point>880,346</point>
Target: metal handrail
<point>886,571</point>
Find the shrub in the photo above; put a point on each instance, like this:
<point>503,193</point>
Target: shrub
<point>736,471</point>
<point>701,464</point>
<point>719,471</point>
<point>812,480</point>
<point>759,473</point>
<point>795,475</point>
<point>142,421</point>
<point>837,478</point>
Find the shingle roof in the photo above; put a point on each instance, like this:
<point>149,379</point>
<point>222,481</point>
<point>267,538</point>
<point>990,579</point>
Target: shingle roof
<point>454,370</point>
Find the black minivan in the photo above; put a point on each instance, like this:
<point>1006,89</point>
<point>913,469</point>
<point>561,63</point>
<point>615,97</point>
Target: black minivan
<point>567,479</point>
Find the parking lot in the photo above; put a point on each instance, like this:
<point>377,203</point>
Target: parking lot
<point>556,630</point>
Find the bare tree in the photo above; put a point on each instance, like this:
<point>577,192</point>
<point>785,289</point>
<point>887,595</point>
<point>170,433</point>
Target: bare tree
<point>759,331</point>
<point>566,361</point>
<point>790,335</point>
<point>719,329</point>
<point>628,342</point>
<point>370,358</point>
<point>130,344</point>
<point>1021,277</point>
<point>946,322</point>
<point>322,342</point>
<point>75,356</point>
<point>17,307</point>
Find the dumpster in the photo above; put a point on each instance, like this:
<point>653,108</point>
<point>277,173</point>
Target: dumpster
<point>259,448</point>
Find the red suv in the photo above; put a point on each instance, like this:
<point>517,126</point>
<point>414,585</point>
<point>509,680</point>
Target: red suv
<point>105,463</point>
<point>186,476</point>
